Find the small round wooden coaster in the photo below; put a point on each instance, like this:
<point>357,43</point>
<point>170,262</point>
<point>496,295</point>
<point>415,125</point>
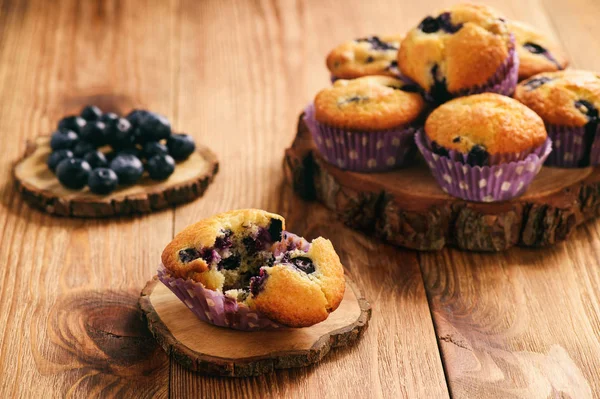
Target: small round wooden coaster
<point>203,347</point>
<point>407,207</point>
<point>40,188</point>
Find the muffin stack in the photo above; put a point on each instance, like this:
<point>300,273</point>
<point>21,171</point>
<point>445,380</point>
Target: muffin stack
<point>446,88</point>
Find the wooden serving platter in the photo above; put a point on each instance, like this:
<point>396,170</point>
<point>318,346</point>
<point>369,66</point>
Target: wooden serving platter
<point>41,189</point>
<point>407,207</point>
<point>202,347</point>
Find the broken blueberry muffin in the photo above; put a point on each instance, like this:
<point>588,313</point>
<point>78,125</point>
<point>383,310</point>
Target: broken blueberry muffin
<point>568,102</point>
<point>465,49</point>
<point>484,147</point>
<point>366,124</point>
<point>241,269</point>
<point>373,55</point>
<point>537,52</point>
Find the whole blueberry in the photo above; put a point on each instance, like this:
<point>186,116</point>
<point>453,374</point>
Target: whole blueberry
<point>94,132</point>
<point>181,146</point>
<point>136,116</point>
<point>109,118</point>
<point>128,168</point>
<point>57,156</point>
<point>102,181</point>
<point>120,133</point>
<point>73,122</point>
<point>160,166</point>
<point>82,148</point>
<point>96,159</point>
<point>154,147</point>
<point>91,113</point>
<point>153,127</point>
<point>62,139</point>
<point>73,172</point>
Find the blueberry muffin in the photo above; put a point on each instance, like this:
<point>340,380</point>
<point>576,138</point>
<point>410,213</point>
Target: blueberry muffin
<point>537,52</point>
<point>568,102</point>
<point>241,269</point>
<point>367,56</point>
<point>465,49</point>
<point>484,147</point>
<point>366,124</point>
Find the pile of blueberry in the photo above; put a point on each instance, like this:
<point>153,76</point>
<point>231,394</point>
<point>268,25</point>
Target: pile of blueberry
<point>103,151</point>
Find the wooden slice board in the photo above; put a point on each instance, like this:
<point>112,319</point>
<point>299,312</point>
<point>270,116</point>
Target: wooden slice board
<point>220,351</point>
<point>40,188</point>
<point>407,207</point>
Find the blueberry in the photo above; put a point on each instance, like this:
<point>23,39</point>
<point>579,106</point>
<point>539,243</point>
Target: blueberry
<point>478,156</point>
<point>534,83</point>
<point>429,25</point>
<point>160,166</point>
<point>96,159</point>
<point>153,127</point>
<point>409,88</point>
<point>153,148</point>
<point>73,172</point>
<point>91,113</point>
<point>275,228</point>
<point>438,149</point>
<point>189,254</point>
<point>224,241</point>
<point>534,48</point>
<point>94,132</point>
<point>446,24</point>
<point>120,133</point>
<point>109,118</point>
<point>62,139</point>
<point>128,168</point>
<point>135,117</point>
<point>377,44</point>
<point>587,108</point>
<point>303,263</point>
<point>74,123</point>
<point>257,283</point>
<point>102,181</point>
<point>230,263</point>
<point>181,146</point>
<point>82,148</point>
<point>125,151</point>
<point>57,156</point>
<point>439,91</point>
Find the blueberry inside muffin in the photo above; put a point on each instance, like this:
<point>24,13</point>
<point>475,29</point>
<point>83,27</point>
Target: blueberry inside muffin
<point>250,257</point>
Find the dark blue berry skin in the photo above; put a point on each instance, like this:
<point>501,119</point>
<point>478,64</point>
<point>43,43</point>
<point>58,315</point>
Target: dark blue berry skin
<point>181,146</point>
<point>82,148</point>
<point>96,159</point>
<point>160,166</point>
<point>94,132</point>
<point>153,127</point>
<point>102,181</point>
<point>91,113</point>
<point>534,48</point>
<point>303,263</point>
<point>63,139</point>
<point>128,168</point>
<point>189,254</point>
<point>135,117</point>
<point>438,149</point>
<point>478,156</point>
<point>73,173</point>
<point>154,148</point>
<point>57,156</point>
<point>377,44</point>
<point>120,133</point>
<point>534,83</point>
<point>73,122</point>
<point>109,118</point>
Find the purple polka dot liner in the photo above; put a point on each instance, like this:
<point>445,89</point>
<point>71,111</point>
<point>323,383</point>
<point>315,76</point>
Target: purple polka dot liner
<point>569,146</point>
<point>362,151</point>
<point>215,307</point>
<point>498,182</point>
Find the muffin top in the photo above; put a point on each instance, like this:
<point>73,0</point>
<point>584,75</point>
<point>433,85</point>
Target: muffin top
<point>247,255</point>
<point>369,103</point>
<point>373,55</point>
<point>485,122</point>
<point>456,49</point>
<point>537,52</point>
<point>569,98</point>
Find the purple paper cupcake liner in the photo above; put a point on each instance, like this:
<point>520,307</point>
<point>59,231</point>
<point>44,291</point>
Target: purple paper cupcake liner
<point>497,182</point>
<point>569,146</point>
<point>361,151</point>
<point>214,307</point>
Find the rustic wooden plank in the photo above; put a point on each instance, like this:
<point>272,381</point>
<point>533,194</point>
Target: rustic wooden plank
<point>69,320</point>
<point>524,323</point>
<point>248,84</point>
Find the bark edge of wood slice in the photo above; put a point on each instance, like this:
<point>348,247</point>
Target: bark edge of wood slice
<point>40,188</point>
<point>218,351</point>
<point>408,209</point>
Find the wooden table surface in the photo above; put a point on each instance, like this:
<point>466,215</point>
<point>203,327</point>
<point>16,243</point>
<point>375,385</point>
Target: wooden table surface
<point>235,74</point>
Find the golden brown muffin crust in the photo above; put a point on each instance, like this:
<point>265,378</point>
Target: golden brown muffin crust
<point>369,103</point>
<point>466,58</point>
<point>498,123</point>
<point>555,96</point>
